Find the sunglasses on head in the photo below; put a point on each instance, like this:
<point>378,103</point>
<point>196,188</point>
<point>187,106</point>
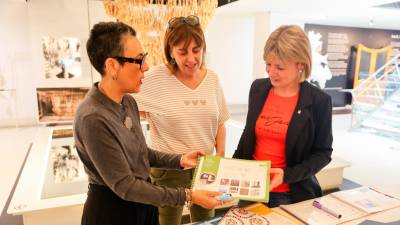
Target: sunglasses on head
<point>139,61</point>
<point>190,20</point>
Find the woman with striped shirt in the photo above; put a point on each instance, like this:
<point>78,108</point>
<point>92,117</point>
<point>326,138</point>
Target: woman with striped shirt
<point>185,107</point>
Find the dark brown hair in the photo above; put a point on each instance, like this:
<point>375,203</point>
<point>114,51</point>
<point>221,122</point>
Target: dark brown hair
<point>182,33</point>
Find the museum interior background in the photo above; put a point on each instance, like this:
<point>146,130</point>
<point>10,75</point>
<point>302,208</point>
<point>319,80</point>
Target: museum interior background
<point>44,72</point>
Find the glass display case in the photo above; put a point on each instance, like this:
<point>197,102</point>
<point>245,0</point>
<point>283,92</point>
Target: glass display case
<point>64,173</point>
<point>53,183</point>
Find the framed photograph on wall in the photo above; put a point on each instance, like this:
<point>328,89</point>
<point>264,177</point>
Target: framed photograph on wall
<point>58,105</point>
<point>62,57</point>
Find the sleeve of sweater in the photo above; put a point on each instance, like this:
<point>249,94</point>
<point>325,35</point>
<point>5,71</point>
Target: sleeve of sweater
<point>107,156</point>
<point>164,160</point>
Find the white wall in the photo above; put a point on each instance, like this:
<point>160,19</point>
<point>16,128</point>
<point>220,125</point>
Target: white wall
<point>22,25</point>
<point>277,19</point>
<point>97,14</point>
<point>230,50</point>
<point>235,46</point>
<point>261,32</point>
<point>15,63</point>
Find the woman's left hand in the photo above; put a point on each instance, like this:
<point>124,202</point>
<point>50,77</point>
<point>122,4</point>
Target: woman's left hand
<point>276,178</point>
<point>189,160</point>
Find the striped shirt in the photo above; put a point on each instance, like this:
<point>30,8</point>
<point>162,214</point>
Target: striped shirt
<point>181,119</point>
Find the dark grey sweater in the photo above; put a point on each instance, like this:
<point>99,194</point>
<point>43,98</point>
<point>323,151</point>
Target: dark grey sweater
<point>118,157</point>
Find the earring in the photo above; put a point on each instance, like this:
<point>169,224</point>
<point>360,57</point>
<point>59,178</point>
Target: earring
<point>300,71</point>
<point>172,61</point>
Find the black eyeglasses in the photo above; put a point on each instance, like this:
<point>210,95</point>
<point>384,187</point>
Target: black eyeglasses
<point>190,20</point>
<point>139,61</point>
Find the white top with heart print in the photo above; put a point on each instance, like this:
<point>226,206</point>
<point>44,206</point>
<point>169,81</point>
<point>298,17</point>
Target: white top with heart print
<point>181,119</point>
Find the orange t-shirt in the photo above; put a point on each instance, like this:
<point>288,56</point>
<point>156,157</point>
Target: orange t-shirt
<point>271,129</point>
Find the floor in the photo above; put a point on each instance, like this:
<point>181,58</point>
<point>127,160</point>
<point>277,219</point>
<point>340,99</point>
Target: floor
<point>14,146</point>
<point>375,160</point>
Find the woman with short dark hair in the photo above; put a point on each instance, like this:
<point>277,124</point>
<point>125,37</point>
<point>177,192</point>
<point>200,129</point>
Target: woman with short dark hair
<point>110,142</point>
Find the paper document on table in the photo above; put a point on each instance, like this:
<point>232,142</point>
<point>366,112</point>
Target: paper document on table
<point>243,216</point>
<point>368,199</point>
<point>243,179</point>
<point>272,215</point>
<point>309,214</point>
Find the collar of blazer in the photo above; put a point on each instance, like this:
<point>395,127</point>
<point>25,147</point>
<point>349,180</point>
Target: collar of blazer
<point>305,95</point>
<point>300,117</point>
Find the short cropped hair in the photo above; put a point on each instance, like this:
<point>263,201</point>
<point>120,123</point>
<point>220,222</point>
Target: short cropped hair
<point>290,43</point>
<point>106,40</point>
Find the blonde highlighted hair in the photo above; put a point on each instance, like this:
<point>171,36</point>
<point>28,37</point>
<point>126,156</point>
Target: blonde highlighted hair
<point>290,43</point>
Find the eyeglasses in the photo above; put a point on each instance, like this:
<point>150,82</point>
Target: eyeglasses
<point>190,20</point>
<point>139,61</point>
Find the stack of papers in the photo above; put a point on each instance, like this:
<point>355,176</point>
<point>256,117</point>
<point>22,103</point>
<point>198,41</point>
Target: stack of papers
<point>349,205</point>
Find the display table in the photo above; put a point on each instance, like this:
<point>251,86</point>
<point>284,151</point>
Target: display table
<point>36,203</point>
<point>52,186</point>
<point>387,216</point>
<point>331,176</point>
<point>390,215</point>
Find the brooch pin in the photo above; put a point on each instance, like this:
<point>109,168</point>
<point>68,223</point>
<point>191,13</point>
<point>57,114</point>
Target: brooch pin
<point>128,122</point>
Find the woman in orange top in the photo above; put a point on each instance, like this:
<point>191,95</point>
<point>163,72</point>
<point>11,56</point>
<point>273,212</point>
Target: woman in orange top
<point>289,121</point>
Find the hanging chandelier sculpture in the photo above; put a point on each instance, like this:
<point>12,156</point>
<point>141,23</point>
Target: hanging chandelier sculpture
<point>150,18</point>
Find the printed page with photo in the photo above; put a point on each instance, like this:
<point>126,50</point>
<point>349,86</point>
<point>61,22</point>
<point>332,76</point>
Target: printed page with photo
<point>243,179</point>
<point>350,204</point>
<point>368,199</point>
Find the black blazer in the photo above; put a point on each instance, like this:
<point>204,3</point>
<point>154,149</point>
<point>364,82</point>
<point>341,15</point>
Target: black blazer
<point>308,141</point>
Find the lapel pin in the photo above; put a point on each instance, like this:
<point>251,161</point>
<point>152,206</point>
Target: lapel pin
<point>128,122</point>
<point>299,111</point>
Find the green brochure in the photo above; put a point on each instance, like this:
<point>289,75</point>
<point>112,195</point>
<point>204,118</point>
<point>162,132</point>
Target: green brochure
<point>243,179</point>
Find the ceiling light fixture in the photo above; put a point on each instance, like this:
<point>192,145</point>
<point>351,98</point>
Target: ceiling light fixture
<point>150,18</point>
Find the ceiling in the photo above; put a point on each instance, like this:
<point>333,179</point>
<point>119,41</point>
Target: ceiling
<point>358,13</point>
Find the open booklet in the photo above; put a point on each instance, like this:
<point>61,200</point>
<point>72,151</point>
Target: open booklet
<point>341,206</point>
<point>368,199</point>
<point>243,179</point>
<point>256,214</point>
